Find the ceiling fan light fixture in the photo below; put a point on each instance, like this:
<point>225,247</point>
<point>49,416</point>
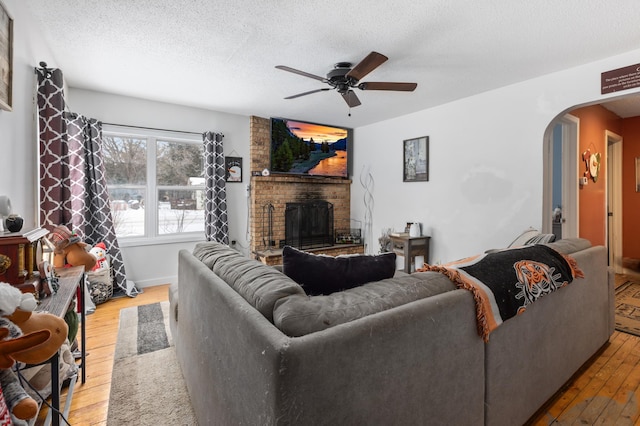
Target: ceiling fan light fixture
<point>343,78</point>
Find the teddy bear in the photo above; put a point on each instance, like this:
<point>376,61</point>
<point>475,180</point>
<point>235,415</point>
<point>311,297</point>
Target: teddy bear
<point>70,250</point>
<point>27,337</point>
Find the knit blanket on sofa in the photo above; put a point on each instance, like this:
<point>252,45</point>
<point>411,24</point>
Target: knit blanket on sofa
<point>506,282</point>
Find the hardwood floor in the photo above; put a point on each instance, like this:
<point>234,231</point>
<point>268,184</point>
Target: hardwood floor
<point>91,399</point>
<point>602,393</point>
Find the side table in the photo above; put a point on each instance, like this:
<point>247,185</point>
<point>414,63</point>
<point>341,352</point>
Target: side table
<point>409,247</point>
<point>70,280</point>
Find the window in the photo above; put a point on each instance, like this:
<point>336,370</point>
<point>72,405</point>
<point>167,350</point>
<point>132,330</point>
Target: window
<point>156,184</point>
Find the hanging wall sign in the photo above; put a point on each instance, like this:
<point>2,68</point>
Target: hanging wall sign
<point>620,79</point>
<point>233,167</point>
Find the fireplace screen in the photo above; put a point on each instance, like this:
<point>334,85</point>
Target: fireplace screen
<point>309,224</point>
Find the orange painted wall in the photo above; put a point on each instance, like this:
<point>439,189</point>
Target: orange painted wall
<point>630,198</point>
<point>594,121</point>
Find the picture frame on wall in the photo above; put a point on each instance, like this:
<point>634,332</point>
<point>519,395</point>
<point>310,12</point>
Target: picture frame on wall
<point>6,59</point>
<point>416,159</point>
<point>233,168</point>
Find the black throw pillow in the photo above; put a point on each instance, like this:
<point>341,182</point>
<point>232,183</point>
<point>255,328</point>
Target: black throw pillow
<point>321,274</point>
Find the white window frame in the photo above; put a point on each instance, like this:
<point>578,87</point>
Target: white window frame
<point>152,237</point>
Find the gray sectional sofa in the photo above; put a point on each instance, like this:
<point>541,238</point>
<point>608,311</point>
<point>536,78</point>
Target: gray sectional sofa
<point>255,350</point>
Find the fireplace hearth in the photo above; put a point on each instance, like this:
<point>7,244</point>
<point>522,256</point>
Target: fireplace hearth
<point>308,224</point>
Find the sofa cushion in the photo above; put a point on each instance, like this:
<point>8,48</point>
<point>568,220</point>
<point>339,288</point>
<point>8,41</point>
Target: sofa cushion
<point>322,274</point>
<point>257,283</point>
<point>570,245</point>
<point>297,315</point>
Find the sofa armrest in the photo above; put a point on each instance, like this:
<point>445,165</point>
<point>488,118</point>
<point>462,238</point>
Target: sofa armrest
<point>228,351</point>
<point>529,357</point>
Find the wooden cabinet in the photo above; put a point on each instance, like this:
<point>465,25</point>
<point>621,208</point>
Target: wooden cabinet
<point>18,255</point>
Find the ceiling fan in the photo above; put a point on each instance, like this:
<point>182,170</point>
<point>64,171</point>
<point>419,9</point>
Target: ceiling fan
<point>343,78</point>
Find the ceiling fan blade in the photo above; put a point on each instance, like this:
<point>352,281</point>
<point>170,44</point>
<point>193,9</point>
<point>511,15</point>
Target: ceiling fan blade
<point>365,66</point>
<point>308,93</point>
<point>305,74</point>
<point>381,85</point>
<point>351,99</point>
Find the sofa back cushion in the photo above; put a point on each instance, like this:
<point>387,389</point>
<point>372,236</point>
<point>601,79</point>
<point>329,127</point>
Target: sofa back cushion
<point>297,315</point>
<point>321,274</point>
<point>257,283</point>
<point>570,245</point>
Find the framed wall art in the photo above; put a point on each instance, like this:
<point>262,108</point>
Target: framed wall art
<point>416,159</point>
<point>6,59</point>
<point>233,167</point>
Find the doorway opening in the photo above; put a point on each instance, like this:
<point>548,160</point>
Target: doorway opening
<point>560,203</point>
<point>614,200</point>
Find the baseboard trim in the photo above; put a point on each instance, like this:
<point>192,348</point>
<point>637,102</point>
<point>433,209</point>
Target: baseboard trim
<point>156,281</point>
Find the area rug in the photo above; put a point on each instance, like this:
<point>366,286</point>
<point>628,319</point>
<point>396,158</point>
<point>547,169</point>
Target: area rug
<point>628,308</point>
<point>147,386</point>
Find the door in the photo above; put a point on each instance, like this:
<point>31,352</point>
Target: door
<point>560,205</point>
<point>614,200</point>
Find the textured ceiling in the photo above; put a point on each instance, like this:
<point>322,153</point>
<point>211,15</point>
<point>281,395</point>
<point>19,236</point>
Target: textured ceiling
<point>221,55</point>
<point>626,107</point>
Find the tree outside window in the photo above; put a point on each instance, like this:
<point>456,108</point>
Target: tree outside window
<point>156,185</point>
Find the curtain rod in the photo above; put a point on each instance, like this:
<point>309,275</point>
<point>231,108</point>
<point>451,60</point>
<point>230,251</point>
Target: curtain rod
<point>152,128</point>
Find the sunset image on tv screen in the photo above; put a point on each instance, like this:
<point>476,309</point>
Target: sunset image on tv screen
<point>300,147</point>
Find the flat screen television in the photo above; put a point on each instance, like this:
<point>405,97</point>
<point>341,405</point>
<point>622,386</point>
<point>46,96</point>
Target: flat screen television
<point>310,149</point>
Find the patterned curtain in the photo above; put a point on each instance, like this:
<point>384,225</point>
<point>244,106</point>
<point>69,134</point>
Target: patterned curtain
<point>215,220</point>
<point>91,214</point>
<point>55,199</point>
<point>73,188</point>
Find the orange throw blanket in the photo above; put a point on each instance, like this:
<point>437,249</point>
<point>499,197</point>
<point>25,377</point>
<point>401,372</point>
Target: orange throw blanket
<point>506,282</point>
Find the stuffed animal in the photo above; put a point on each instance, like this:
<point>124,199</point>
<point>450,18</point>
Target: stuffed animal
<point>30,322</point>
<point>69,250</point>
<point>19,404</point>
<point>11,299</point>
<point>28,337</point>
<point>99,251</point>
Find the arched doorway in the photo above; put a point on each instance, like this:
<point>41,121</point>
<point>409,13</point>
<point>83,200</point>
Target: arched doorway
<point>599,205</point>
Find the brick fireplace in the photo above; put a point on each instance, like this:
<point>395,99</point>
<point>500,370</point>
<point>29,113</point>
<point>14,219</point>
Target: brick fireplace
<point>271,194</point>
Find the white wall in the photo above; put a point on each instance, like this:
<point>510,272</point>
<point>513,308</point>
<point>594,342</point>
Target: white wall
<point>18,137</point>
<point>146,265</point>
<point>485,183</point>
<point>485,166</point>
<point>150,265</point>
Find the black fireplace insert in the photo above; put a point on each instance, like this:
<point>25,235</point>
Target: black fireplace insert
<point>309,224</point>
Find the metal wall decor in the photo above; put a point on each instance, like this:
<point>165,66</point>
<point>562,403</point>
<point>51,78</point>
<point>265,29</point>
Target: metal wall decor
<point>592,163</point>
